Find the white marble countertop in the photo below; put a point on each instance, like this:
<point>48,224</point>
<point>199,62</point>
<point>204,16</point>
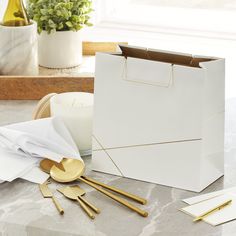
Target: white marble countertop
<point>23,211</point>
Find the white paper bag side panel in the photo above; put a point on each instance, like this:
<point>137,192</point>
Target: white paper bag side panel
<point>212,149</point>
<point>150,113</point>
<point>214,87</point>
<point>174,164</point>
<point>213,119</point>
<point>213,134</point>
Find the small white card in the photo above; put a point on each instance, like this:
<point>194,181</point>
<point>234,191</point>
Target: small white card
<point>226,214</point>
<point>206,196</point>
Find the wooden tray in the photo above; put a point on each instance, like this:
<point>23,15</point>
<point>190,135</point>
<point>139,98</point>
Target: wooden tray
<point>36,87</point>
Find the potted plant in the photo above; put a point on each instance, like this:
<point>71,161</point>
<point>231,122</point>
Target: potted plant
<point>59,27</point>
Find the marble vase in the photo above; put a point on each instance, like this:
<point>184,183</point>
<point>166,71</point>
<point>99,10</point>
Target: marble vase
<point>19,50</point>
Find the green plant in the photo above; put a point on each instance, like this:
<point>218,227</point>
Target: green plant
<point>60,15</point>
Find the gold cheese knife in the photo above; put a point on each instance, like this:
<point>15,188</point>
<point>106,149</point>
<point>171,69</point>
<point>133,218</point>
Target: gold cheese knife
<point>46,192</point>
<point>80,193</point>
<point>69,193</point>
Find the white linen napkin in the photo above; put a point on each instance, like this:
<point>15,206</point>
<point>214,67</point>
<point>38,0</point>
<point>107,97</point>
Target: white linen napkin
<point>23,145</point>
<point>13,165</point>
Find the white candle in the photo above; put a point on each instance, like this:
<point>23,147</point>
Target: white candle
<point>76,110</point>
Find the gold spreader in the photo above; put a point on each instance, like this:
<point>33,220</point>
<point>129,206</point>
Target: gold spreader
<point>47,164</point>
<point>80,193</point>
<point>46,192</point>
<point>217,208</point>
<point>74,169</point>
<point>69,193</point>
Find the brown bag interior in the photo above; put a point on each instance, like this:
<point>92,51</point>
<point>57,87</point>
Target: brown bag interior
<point>162,56</point>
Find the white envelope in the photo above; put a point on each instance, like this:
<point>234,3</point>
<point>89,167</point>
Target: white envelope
<point>226,214</point>
<point>204,197</point>
<point>159,117</point>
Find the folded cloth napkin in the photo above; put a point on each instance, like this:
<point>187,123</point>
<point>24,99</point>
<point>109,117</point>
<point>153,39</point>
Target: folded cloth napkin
<point>23,145</point>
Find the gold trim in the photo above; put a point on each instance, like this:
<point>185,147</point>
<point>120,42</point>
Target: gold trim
<point>108,156</point>
<point>147,144</point>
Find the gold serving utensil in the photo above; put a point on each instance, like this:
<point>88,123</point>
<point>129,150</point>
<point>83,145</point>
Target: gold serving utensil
<point>116,198</point>
<point>46,192</point>
<point>73,171</point>
<point>117,190</point>
<point>77,168</point>
<point>47,164</point>
<point>69,193</point>
<point>217,208</point>
<point>80,193</point>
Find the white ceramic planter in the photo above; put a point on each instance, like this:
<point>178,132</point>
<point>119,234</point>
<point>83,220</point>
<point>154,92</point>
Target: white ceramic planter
<point>19,50</point>
<point>62,49</point>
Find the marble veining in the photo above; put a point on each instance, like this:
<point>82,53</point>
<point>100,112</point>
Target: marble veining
<point>24,212</point>
<point>19,50</point>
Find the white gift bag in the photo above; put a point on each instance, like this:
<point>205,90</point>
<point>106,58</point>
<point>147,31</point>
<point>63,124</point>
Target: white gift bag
<point>159,117</point>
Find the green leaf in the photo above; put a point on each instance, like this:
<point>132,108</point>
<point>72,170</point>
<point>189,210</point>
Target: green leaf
<point>60,26</point>
<point>44,11</point>
<point>69,24</point>
<point>58,15</point>
<point>51,24</point>
<point>42,18</point>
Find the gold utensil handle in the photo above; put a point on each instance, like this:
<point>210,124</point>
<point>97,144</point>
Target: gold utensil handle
<point>114,189</point>
<point>58,206</point>
<point>85,208</point>
<point>95,209</point>
<point>116,198</point>
<point>217,208</point>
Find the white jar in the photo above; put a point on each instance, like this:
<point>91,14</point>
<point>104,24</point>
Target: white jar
<point>19,50</point>
<point>62,49</point>
<point>76,110</point>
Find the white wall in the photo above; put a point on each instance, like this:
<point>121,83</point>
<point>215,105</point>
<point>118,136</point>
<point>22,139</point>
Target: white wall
<point>209,4</point>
